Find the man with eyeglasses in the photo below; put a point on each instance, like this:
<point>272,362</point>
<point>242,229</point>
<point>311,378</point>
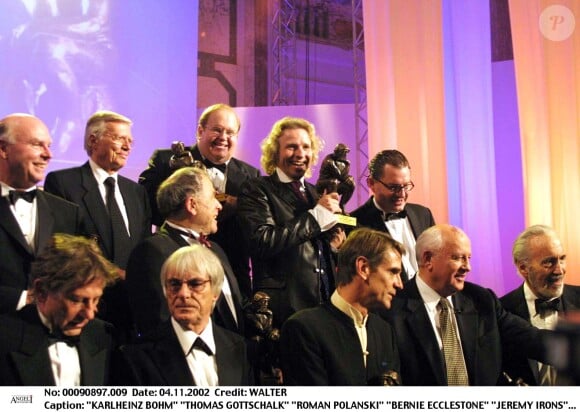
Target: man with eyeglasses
<point>188,348</point>
<point>28,216</point>
<point>116,209</point>
<point>217,137</point>
<point>387,209</point>
<point>451,332</point>
<point>543,296</point>
<point>56,340</point>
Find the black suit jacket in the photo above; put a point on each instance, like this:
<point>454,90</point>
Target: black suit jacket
<point>419,217</point>
<point>159,360</point>
<point>320,346</point>
<point>487,332</point>
<point>146,299</point>
<point>283,239</point>
<point>78,185</point>
<point>227,235</point>
<point>24,359</point>
<point>516,365</point>
<point>54,215</point>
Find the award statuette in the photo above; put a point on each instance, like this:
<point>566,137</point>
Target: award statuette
<point>334,177</point>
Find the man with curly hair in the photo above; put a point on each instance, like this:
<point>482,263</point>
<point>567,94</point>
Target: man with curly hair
<point>284,221</point>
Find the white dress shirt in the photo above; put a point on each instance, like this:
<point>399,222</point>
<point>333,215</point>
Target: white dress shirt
<point>101,175</point>
<point>64,360</point>
<point>203,367</point>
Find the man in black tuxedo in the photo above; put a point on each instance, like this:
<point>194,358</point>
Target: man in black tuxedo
<point>189,348</point>
<point>438,305</point>
<point>188,200</point>
<point>540,259</point>
<point>284,221</point>
<point>57,340</point>
<point>387,209</point>
<point>217,137</point>
<point>341,342</point>
<point>108,142</point>
<point>28,217</point>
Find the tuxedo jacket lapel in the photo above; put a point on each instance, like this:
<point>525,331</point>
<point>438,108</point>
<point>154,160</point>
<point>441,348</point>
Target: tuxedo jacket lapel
<point>93,358</point>
<point>413,221</point>
<point>419,325</point>
<point>227,359</point>
<point>468,323</point>
<point>173,234</point>
<point>45,222</point>
<point>32,360</point>
<point>96,208</point>
<point>130,205</point>
<point>10,225</point>
<point>169,358</point>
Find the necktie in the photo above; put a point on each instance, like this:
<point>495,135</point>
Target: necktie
<point>297,189</point>
<point>14,195</point>
<point>543,307</point>
<point>399,215</point>
<point>454,362</point>
<point>201,345</point>
<point>209,164</point>
<point>120,236</point>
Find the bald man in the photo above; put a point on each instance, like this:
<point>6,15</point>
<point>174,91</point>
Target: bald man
<point>28,217</point>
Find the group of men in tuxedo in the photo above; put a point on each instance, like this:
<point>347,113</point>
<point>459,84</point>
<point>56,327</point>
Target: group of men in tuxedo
<point>291,234</point>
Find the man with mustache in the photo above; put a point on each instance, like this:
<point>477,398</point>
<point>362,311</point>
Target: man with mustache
<point>188,348</point>
<point>28,216</point>
<point>342,342</point>
<point>283,219</point>
<point>540,259</point>
<point>450,331</point>
<point>116,209</point>
<point>57,340</point>
<point>217,137</point>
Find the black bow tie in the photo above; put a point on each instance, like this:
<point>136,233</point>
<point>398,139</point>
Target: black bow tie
<point>71,341</point>
<point>209,164</point>
<point>14,195</point>
<point>201,345</point>
<point>399,215</point>
<point>543,306</point>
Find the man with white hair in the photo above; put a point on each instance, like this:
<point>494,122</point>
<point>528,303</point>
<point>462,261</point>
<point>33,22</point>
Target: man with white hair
<point>189,348</point>
<point>116,209</point>
<point>541,261</point>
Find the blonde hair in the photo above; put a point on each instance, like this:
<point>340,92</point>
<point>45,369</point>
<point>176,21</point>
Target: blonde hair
<point>271,144</point>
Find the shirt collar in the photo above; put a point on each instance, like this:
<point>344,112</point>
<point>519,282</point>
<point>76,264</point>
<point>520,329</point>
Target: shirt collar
<point>185,229</point>
<point>430,297</point>
<point>284,178</point>
<point>100,173</point>
<point>5,189</point>
<point>341,304</point>
<point>187,337</point>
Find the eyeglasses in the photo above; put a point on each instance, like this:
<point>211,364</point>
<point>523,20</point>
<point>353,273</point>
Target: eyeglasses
<point>194,285</point>
<point>218,131</point>
<point>407,187</point>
